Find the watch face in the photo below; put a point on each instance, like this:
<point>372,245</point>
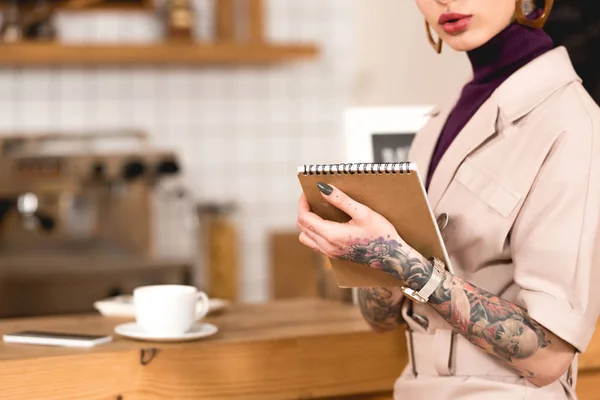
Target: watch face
<point>413,295</point>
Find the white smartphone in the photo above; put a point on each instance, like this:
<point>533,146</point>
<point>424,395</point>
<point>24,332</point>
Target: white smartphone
<point>47,338</point>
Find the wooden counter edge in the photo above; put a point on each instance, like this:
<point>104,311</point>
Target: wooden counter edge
<point>318,362</point>
<point>307,367</point>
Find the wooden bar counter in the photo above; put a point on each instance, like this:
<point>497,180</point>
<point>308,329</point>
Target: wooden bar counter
<point>295,349</point>
<point>292,349</point>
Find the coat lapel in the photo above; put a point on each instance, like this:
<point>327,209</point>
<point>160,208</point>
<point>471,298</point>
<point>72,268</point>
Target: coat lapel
<point>424,142</point>
<point>477,131</point>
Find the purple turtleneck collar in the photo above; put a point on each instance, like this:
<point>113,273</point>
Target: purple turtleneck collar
<point>508,51</point>
<point>492,64</point>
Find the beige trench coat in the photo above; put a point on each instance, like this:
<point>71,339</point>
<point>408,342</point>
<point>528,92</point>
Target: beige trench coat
<point>521,187</point>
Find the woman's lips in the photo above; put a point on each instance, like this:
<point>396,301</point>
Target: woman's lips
<point>454,23</point>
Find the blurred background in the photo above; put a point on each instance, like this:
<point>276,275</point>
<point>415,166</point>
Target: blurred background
<point>157,141</point>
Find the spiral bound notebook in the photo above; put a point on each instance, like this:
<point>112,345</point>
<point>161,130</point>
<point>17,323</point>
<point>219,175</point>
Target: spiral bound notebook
<point>394,190</point>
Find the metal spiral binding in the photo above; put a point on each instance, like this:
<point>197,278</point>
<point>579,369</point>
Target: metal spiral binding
<point>358,168</point>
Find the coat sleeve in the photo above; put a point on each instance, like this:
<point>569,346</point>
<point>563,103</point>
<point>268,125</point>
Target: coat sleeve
<point>555,240</point>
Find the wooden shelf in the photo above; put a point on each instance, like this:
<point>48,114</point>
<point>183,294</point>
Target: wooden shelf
<point>116,5</point>
<point>103,5</point>
<point>54,54</point>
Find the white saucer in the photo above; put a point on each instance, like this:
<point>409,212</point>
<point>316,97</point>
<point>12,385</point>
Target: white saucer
<point>199,330</point>
<point>122,306</point>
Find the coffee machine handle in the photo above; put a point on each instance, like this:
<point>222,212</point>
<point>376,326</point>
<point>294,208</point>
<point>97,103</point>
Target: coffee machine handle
<point>202,305</point>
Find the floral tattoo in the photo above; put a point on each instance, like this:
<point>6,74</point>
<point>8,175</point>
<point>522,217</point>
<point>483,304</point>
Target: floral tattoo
<point>391,257</point>
<point>500,328</point>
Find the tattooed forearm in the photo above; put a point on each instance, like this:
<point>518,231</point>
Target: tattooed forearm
<point>381,307</point>
<point>390,256</point>
<point>499,327</point>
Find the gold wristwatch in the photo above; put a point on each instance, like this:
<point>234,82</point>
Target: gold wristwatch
<point>422,296</point>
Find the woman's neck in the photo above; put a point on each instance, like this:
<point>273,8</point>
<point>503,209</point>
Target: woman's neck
<point>506,52</point>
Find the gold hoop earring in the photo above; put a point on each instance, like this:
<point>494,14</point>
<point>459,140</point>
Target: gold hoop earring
<point>437,45</point>
<point>537,23</point>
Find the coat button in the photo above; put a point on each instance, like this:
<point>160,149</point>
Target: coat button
<point>442,221</point>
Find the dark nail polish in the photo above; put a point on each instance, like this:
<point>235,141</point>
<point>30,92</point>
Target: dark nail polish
<point>325,188</point>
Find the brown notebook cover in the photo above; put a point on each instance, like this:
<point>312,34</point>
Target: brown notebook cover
<point>394,190</point>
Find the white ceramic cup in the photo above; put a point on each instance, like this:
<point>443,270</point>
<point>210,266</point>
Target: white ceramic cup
<point>168,310</point>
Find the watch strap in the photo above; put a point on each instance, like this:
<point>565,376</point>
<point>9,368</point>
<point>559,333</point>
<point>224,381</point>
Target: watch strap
<point>437,275</point>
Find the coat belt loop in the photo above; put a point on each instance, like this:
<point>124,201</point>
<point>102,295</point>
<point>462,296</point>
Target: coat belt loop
<point>411,351</point>
<point>444,347</point>
<point>452,354</point>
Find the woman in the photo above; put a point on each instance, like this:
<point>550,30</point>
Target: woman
<point>513,172</point>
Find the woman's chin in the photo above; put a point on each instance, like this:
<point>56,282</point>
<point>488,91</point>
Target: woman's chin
<point>464,42</point>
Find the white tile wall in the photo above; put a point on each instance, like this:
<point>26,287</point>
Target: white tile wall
<point>241,131</point>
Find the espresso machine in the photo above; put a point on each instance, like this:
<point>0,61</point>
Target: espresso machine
<point>77,220</point>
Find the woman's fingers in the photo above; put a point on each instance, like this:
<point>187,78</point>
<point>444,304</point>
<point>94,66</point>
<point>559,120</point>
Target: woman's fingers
<point>341,200</point>
<point>328,247</point>
<point>308,220</point>
<point>308,242</point>
<point>327,229</point>
<point>328,237</point>
<point>303,205</point>
<point>331,248</point>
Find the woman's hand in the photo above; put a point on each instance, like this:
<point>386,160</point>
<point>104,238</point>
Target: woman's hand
<point>368,238</point>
